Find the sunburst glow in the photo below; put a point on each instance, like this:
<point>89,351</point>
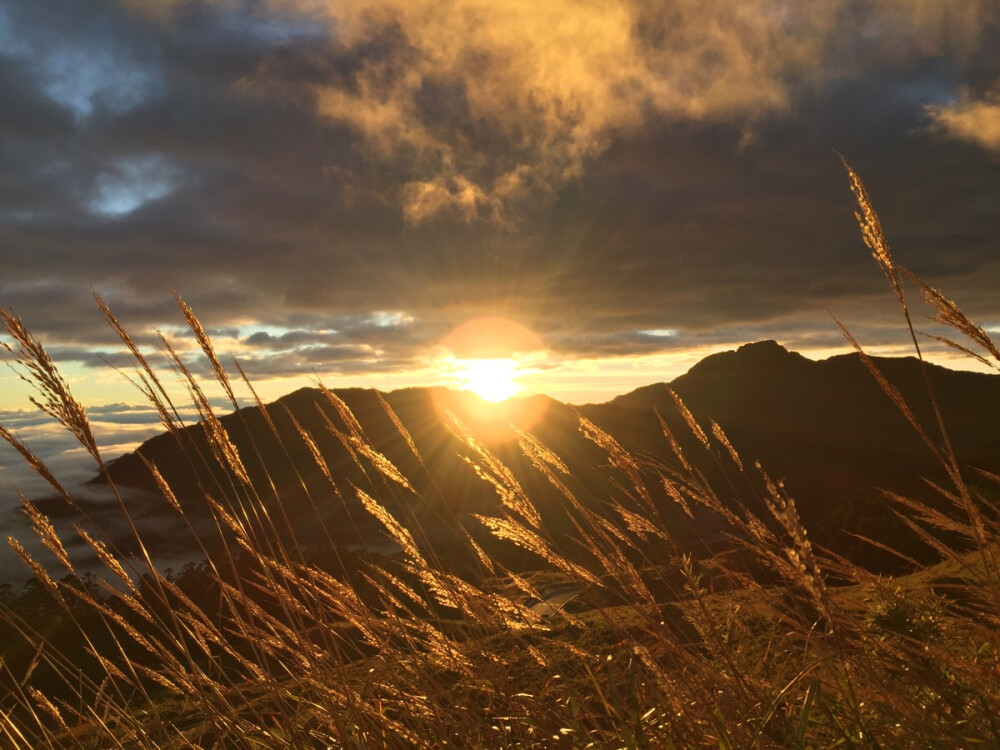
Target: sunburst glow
<point>484,363</point>
<point>489,356</point>
<point>492,379</point>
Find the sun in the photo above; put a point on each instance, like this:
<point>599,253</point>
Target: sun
<point>484,363</point>
<point>489,356</point>
<point>492,379</point>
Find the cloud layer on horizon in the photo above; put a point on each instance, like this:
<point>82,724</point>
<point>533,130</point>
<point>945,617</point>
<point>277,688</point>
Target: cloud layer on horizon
<point>335,186</point>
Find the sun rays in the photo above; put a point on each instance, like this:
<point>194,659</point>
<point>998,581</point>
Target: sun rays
<point>494,379</point>
<point>490,357</point>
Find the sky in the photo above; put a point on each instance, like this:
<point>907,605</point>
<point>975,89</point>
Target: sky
<point>336,187</point>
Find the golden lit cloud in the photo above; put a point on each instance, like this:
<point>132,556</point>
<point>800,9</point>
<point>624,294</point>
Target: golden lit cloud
<point>487,103</point>
<point>493,101</point>
<point>479,106</point>
<point>422,200</point>
<point>973,120</point>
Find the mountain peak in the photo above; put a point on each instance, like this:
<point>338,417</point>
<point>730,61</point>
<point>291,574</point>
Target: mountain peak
<point>760,355</point>
<point>769,347</point>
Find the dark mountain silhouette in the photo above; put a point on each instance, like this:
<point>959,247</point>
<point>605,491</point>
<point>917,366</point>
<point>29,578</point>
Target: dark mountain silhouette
<point>829,431</point>
<point>825,428</point>
<point>314,514</point>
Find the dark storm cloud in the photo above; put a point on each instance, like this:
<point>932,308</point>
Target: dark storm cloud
<point>594,170</point>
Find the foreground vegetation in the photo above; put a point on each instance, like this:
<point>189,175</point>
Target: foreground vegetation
<point>767,642</point>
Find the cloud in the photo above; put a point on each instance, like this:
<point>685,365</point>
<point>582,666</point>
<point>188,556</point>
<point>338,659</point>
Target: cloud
<point>595,169</point>
<point>481,106</point>
<point>79,58</point>
<point>422,200</point>
<point>973,120</point>
<point>132,182</point>
<point>117,431</point>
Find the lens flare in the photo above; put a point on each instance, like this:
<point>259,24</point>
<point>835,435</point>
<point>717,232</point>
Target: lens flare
<point>486,358</point>
<point>493,379</point>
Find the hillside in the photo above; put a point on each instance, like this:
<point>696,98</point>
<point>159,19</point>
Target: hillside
<point>828,430</point>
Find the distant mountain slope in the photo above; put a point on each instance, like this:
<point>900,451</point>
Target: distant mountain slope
<point>312,513</point>
<point>826,428</point>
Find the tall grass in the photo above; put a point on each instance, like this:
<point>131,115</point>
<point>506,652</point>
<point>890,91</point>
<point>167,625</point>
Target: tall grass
<point>770,643</point>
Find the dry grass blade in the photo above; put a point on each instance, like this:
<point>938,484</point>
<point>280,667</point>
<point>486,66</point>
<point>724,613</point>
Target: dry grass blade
<point>508,489</point>
<point>49,707</point>
<point>949,314</point>
<point>963,349</point>
<point>314,450</point>
<point>620,459</point>
<point>263,410</point>
<point>195,391</point>
<point>493,471</point>
<point>344,411</point>
<point>398,424</point>
<point>108,560</point>
<point>46,532</point>
<point>640,524</point>
<point>55,398</point>
<point>721,436</point>
<point>914,564</point>
<point>13,732</point>
<point>41,574</point>
<point>892,392</point>
<point>149,382</point>
<point>478,551</point>
<point>513,531</point>
<point>397,531</point>
<point>676,495</point>
<point>225,451</point>
<point>800,552</point>
<point>692,423</point>
<point>207,347</point>
<point>548,463</point>
<point>384,466</point>
<point>944,551</point>
<point>161,484</point>
<point>674,445</point>
<point>539,455</point>
<point>35,464</point>
<point>871,232</point>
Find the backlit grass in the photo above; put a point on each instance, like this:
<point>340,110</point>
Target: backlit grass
<point>770,642</point>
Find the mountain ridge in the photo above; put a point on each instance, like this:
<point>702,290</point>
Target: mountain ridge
<point>824,427</point>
